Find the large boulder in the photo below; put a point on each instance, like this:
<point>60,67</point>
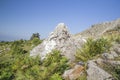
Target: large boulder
<point>96,73</point>
<point>59,39</point>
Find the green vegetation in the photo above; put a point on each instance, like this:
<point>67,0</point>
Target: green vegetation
<point>13,57</point>
<point>36,41</point>
<point>92,48</point>
<point>54,66</point>
<point>16,64</point>
<point>56,76</point>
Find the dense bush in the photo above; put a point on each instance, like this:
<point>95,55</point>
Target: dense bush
<point>92,48</point>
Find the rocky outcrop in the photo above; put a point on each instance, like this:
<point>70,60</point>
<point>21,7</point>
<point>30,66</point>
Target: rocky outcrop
<point>96,73</point>
<point>59,39</point>
<point>62,40</point>
<point>96,70</point>
<point>113,53</point>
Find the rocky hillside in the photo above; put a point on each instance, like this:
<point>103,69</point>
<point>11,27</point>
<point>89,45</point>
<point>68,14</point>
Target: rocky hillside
<point>62,40</point>
<point>97,30</point>
<point>91,59</point>
<point>102,68</point>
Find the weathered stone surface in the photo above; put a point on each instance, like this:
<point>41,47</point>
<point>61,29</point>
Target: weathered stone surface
<point>110,56</point>
<point>107,56</point>
<point>81,63</point>
<point>74,73</point>
<point>59,39</point>
<point>114,62</point>
<point>114,54</point>
<point>117,48</point>
<point>96,73</point>
<point>99,61</point>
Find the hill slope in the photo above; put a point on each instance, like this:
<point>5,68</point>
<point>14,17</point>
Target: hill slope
<point>98,29</point>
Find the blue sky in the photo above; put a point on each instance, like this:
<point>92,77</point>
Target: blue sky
<point>20,18</point>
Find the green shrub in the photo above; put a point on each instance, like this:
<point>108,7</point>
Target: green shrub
<point>55,64</point>
<point>92,48</point>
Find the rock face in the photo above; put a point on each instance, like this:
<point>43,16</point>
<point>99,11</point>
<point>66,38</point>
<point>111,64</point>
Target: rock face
<point>59,39</point>
<point>96,73</point>
<point>95,70</point>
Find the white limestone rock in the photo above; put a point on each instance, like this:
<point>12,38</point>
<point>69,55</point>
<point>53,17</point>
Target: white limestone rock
<point>59,39</point>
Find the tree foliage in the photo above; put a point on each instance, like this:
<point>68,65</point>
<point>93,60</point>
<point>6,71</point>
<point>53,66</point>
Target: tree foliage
<point>35,35</point>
